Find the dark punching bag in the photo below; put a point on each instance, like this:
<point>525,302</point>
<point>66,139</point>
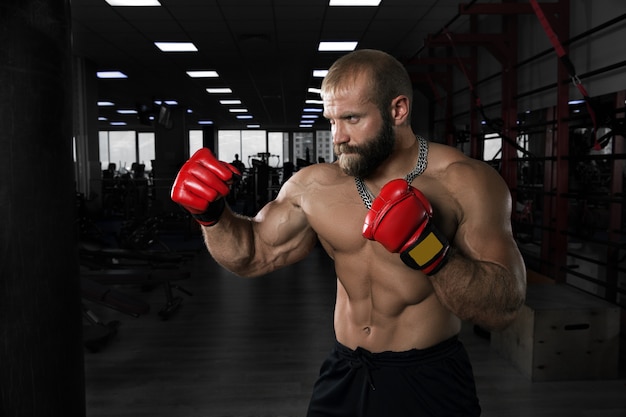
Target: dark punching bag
<point>41,353</point>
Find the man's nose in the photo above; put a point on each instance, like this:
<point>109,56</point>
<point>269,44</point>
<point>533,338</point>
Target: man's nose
<point>339,135</point>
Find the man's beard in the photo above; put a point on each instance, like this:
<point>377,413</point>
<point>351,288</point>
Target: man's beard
<point>361,161</point>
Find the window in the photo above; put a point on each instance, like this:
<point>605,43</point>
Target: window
<point>118,148</point>
<point>252,144</point>
<point>248,144</point>
<point>123,148</point>
<point>146,149</point>
<point>275,148</point>
<point>324,145</point>
<point>492,147</point>
<point>229,144</point>
<point>303,147</point>
<point>103,138</point>
<point>195,141</point>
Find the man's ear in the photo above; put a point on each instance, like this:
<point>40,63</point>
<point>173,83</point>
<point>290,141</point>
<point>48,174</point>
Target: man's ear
<point>400,110</point>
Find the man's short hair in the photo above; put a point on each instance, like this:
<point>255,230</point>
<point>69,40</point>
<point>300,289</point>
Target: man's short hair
<point>387,77</point>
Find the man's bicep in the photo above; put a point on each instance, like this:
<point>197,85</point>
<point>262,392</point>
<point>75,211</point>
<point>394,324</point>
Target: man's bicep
<point>485,232</point>
<point>283,232</point>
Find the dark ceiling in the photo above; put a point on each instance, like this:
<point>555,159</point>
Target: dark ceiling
<point>264,50</point>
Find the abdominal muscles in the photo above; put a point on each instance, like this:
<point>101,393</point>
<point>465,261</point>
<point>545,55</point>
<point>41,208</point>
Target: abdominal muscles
<point>388,307</point>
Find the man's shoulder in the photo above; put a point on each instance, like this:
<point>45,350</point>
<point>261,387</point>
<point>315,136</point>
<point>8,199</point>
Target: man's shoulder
<point>465,178</point>
<point>322,173</point>
<point>318,187</point>
<point>449,161</point>
<point>313,180</point>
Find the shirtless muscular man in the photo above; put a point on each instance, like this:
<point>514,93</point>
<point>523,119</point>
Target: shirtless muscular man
<point>420,236</point>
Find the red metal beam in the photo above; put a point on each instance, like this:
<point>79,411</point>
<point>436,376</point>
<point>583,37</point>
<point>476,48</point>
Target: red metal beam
<point>425,77</point>
<point>508,110</point>
<point>497,44</point>
<point>554,244</point>
<point>504,8</point>
<point>477,144</point>
<point>615,210</point>
<point>436,61</point>
<point>426,82</point>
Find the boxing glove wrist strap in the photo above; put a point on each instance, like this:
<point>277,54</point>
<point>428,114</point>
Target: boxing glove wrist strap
<point>428,252</point>
<point>212,214</point>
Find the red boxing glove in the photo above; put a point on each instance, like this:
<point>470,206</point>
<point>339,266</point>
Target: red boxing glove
<point>201,184</point>
<point>401,220</point>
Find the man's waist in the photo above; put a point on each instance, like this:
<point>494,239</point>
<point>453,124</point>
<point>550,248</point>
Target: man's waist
<point>402,358</point>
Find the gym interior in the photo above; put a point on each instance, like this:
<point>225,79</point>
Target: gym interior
<point>111,306</point>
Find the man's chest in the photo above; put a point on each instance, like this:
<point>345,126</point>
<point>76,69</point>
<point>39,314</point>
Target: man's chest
<point>336,213</point>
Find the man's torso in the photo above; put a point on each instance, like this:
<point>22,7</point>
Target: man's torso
<point>382,305</point>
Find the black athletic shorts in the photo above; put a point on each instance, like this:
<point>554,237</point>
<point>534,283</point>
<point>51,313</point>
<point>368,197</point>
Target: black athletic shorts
<point>437,381</point>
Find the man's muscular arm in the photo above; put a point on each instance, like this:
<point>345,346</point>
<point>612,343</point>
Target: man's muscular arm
<point>482,292</point>
<point>484,279</point>
<point>481,276</point>
<point>277,236</point>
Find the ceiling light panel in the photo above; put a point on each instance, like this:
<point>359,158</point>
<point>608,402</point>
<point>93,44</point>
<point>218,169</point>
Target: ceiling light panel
<point>219,90</point>
<point>141,3</point>
<point>334,46</point>
<point>354,3</point>
<point>168,102</point>
<point>176,46</point>
<point>111,74</point>
<point>203,74</point>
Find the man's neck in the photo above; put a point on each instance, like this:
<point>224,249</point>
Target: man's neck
<point>398,165</point>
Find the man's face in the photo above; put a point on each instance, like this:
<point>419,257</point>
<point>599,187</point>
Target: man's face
<point>362,160</point>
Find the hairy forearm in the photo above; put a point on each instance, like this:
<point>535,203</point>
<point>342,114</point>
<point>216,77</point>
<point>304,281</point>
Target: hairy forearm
<point>231,243</point>
<point>251,247</point>
<point>484,293</point>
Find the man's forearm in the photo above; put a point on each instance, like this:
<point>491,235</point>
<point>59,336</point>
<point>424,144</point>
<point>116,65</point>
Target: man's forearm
<point>484,293</point>
<point>230,242</point>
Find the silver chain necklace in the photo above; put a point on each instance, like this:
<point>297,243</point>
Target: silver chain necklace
<point>420,167</point>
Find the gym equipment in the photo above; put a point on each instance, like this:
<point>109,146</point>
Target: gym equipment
<point>143,267</point>
<point>146,278</point>
<point>97,334</point>
<point>96,256</point>
<point>102,294</point>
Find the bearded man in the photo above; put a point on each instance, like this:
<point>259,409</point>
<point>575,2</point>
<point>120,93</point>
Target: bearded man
<point>420,236</point>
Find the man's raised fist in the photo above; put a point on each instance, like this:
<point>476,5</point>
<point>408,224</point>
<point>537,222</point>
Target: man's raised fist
<point>201,185</point>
